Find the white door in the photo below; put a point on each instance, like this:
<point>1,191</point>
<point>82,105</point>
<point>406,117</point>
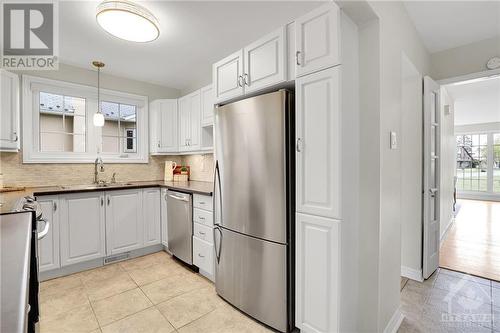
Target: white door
<point>265,61</point>
<point>9,111</point>
<point>431,187</point>
<point>48,247</point>
<point>317,260</point>
<point>168,123</point>
<point>164,221</point>
<point>82,227</point>
<point>151,216</point>
<point>207,106</point>
<point>195,121</point>
<point>228,77</point>
<point>124,221</point>
<point>184,124</point>
<point>318,39</point>
<point>318,143</point>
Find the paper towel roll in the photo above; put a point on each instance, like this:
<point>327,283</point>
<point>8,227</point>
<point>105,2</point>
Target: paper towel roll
<point>169,170</point>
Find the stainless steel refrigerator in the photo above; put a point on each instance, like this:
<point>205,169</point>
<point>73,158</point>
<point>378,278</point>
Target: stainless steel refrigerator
<point>253,207</point>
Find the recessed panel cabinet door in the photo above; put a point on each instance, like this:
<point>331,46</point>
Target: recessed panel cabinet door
<point>9,111</point>
<point>265,61</point>
<point>184,122</point>
<point>318,39</point>
<point>168,125</point>
<point>82,227</point>
<point>317,274</point>
<point>207,105</point>
<point>195,121</point>
<point>318,143</point>
<point>227,77</point>
<point>152,216</point>
<point>124,221</point>
<point>48,247</point>
<point>164,221</point>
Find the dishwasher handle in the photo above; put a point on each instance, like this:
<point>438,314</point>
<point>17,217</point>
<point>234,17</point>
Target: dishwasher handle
<point>173,196</point>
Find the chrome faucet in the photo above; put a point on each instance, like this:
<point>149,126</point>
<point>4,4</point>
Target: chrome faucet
<point>98,161</point>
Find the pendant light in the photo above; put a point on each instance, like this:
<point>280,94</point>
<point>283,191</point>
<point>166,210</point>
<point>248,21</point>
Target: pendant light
<point>98,117</point>
<point>127,20</point>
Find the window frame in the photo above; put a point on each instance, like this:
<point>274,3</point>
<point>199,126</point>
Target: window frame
<point>32,85</point>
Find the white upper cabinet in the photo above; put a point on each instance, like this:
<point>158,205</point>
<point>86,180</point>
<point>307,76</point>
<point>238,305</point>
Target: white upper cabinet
<point>152,216</point>
<point>228,77</point>
<point>317,39</point>
<point>163,125</point>
<point>317,285</point>
<point>265,61</point>
<point>207,105</point>
<point>124,221</point>
<point>48,247</point>
<point>82,227</point>
<point>318,143</point>
<point>189,122</point>
<point>9,111</point>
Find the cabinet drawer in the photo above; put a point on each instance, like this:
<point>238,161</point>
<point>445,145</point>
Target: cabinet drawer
<point>203,232</point>
<point>202,201</point>
<point>203,255</point>
<point>203,217</point>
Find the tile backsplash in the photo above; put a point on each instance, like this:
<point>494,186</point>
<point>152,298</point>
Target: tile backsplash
<point>14,173</point>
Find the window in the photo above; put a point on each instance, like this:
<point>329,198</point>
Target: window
<point>478,163</point>
<point>58,127</point>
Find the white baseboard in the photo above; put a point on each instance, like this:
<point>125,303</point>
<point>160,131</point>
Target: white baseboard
<point>395,322</point>
<point>412,274</point>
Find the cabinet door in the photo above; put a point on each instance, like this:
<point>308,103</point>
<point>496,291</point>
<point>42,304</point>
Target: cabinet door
<point>164,221</point>
<point>318,39</point>
<point>82,227</point>
<point>318,143</point>
<point>227,77</point>
<point>317,273</point>
<point>152,216</point>
<point>184,125</point>
<point>48,247</point>
<point>207,105</point>
<point>167,119</point>
<point>195,121</point>
<point>124,221</point>
<point>265,61</point>
<point>9,111</point>
<point>203,256</point>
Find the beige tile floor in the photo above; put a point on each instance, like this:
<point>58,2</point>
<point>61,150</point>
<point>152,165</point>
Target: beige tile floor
<point>150,294</point>
<point>451,302</point>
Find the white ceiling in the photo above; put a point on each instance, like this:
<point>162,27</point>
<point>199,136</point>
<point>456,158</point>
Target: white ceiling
<point>448,24</point>
<point>193,36</point>
<point>476,102</point>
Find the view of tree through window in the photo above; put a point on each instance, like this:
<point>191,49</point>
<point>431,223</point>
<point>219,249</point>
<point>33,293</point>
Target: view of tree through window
<point>472,162</point>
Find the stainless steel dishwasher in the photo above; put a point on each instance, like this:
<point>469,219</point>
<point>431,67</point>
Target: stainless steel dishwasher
<point>180,225</point>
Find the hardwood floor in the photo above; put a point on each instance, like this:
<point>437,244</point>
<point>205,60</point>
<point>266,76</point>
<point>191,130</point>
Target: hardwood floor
<point>472,244</point>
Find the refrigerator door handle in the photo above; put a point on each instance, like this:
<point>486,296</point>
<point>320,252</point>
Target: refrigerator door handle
<point>219,248</point>
<point>217,187</point>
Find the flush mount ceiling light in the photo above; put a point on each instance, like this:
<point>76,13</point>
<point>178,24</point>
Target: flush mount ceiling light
<point>128,21</point>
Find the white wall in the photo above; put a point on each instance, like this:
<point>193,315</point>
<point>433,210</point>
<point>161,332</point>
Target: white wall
<point>411,170</point>
<point>467,59</point>
<point>448,162</point>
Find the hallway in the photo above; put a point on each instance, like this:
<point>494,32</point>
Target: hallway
<point>472,244</point>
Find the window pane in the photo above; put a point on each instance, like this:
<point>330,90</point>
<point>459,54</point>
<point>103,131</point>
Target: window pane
<point>472,162</point>
<point>61,117</point>
<point>110,144</point>
<point>120,128</point>
<point>496,162</point>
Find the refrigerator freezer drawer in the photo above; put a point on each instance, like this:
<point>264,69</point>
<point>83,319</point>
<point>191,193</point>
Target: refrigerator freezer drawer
<point>251,274</point>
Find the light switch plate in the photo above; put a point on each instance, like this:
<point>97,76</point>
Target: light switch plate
<point>394,140</point>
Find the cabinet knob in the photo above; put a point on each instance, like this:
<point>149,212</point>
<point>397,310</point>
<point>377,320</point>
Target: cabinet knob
<point>245,80</point>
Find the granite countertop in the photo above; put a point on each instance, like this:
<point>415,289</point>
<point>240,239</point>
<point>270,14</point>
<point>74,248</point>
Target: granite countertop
<point>8,200</point>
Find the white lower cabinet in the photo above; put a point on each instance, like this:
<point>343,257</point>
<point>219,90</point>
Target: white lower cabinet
<point>203,256</point>
<point>48,247</point>
<point>124,221</point>
<point>82,227</point>
<point>317,276</point>
<point>151,216</point>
